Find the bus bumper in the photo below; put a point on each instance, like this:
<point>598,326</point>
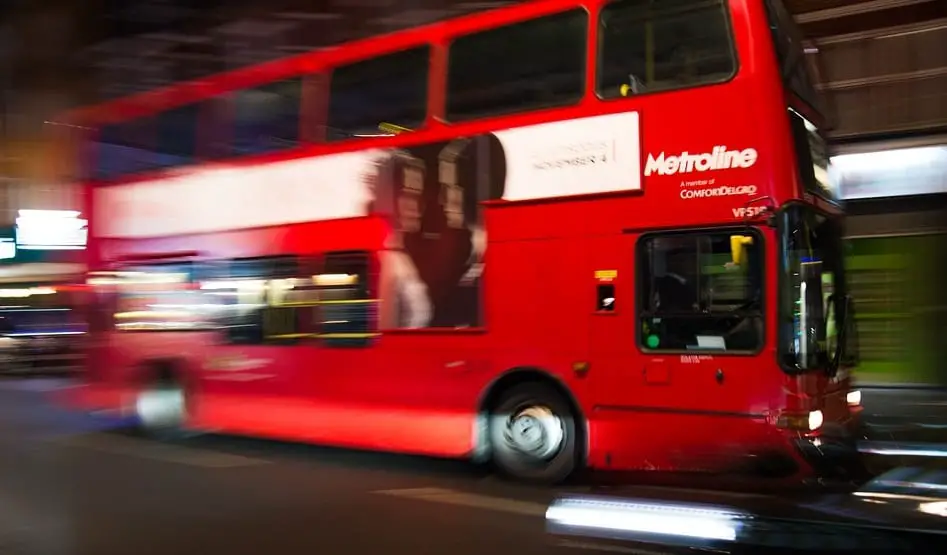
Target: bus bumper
<point>833,454</point>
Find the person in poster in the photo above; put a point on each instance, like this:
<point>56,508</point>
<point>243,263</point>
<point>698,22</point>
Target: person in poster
<point>429,196</point>
<point>470,171</point>
<point>395,183</point>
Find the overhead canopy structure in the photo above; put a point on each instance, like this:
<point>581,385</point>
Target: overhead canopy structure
<point>882,62</point>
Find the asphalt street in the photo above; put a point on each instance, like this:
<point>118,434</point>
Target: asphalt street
<point>906,413</point>
<point>69,485</point>
<point>72,484</point>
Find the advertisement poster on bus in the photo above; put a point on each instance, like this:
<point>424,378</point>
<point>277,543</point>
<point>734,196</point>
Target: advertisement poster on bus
<point>430,195</point>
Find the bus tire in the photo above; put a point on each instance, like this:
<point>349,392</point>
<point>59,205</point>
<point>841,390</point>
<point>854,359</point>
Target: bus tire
<point>533,434</point>
<point>161,409</point>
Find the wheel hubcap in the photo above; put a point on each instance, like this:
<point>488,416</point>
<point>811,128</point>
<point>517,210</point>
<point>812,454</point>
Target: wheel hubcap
<point>535,431</point>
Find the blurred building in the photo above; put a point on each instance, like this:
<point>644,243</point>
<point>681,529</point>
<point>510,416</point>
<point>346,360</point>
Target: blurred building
<point>37,173</point>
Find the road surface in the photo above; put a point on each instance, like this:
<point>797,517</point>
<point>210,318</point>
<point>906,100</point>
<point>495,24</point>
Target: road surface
<point>69,486</point>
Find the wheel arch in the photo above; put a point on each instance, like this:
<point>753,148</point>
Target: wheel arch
<point>164,370</point>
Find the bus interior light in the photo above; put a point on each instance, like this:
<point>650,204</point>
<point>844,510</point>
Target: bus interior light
<point>246,285</point>
<point>335,279</point>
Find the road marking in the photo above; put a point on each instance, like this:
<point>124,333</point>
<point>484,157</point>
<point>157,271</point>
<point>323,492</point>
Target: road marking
<point>152,450</point>
<point>451,497</point>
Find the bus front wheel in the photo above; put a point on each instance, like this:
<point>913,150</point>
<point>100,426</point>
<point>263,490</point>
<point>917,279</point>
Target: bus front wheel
<point>533,434</point>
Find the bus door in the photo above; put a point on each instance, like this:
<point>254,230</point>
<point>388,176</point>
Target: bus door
<point>686,375</point>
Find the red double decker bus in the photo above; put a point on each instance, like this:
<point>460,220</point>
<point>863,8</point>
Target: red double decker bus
<point>556,235</point>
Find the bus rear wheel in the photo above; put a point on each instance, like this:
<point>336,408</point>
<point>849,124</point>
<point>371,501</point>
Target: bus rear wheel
<point>161,410</point>
<point>533,434</point>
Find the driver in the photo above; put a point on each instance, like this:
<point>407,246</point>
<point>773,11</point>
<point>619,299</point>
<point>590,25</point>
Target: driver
<point>674,288</point>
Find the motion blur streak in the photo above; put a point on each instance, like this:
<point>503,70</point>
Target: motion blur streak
<point>687,522</point>
<point>898,449</point>
<point>936,508</point>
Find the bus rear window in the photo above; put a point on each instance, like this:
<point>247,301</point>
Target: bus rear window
<point>125,148</point>
<point>166,139</point>
<point>647,46</point>
<point>176,136</point>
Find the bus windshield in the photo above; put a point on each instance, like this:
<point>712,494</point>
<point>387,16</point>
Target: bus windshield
<point>787,38</point>
<point>812,157</point>
<point>813,295</point>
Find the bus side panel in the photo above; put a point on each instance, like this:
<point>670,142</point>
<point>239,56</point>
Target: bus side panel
<point>538,297</point>
<point>682,442</point>
<point>670,410</point>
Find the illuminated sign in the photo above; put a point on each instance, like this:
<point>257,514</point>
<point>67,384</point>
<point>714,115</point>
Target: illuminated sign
<point>892,173</point>
<point>7,248</point>
<point>51,230</point>
<point>606,275</point>
<point>24,293</point>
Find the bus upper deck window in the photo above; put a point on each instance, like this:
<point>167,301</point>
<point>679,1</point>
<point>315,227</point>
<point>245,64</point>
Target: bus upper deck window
<point>674,44</point>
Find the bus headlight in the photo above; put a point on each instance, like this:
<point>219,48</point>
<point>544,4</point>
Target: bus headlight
<point>854,398</point>
<point>815,420</point>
